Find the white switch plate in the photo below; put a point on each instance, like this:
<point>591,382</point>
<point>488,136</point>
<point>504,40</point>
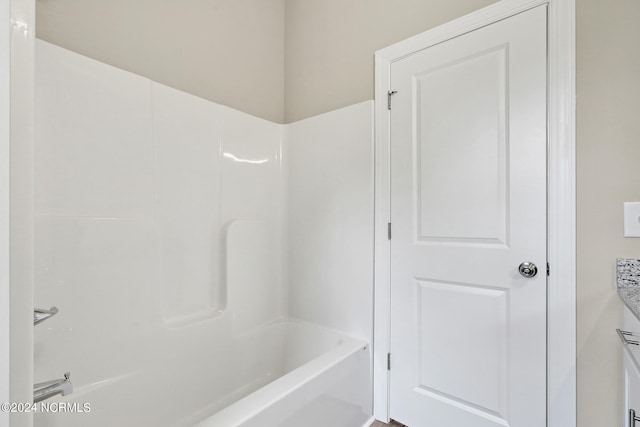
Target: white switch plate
<point>632,219</point>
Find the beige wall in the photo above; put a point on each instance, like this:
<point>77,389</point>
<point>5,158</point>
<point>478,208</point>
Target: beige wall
<point>228,51</point>
<point>608,71</point>
<point>330,45</point>
<point>235,52</point>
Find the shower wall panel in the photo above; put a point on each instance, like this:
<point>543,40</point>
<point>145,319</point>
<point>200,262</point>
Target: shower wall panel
<point>329,162</point>
<point>187,171</point>
<point>94,126</point>
<point>144,198</point>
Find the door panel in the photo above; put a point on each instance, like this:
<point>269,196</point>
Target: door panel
<point>449,183</point>
<point>446,370</point>
<point>468,205</point>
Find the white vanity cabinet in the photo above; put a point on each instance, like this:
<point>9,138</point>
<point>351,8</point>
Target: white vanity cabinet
<point>631,368</point>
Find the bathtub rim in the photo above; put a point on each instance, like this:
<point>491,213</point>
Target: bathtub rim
<point>256,402</point>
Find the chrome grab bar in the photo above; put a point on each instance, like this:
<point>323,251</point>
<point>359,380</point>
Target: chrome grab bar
<point>47,389</point>
<point>42,314</point>
<point>624,334</point>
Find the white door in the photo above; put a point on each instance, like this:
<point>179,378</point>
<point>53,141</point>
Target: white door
<point>468,206</point>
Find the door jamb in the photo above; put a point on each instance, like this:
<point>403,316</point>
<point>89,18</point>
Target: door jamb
<point>20,204</point>
<point>561,175</point>
<point>5,137</point>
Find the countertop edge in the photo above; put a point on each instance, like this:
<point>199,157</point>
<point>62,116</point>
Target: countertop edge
<point>631,298</point>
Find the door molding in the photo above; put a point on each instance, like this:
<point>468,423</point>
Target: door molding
<point>561,175</point>
<point>21,143</point>
<point>5,137</point>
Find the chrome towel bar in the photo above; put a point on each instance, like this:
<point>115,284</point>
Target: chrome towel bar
<point>623,336</point>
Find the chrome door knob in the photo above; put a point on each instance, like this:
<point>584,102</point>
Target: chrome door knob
<point>528,269</point>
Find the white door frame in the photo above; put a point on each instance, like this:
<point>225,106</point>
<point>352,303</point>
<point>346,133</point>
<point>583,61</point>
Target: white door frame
<point>17,198</point>
<point>561,299</point>
<point>5,136</point>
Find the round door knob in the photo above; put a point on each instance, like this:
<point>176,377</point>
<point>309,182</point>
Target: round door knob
<point>528,269</point>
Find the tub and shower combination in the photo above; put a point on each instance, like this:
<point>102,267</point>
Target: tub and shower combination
<point>197,256</point>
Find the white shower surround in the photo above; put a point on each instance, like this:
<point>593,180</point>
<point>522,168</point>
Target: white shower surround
<point>156,283</point>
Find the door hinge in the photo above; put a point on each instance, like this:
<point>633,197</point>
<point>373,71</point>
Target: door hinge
<point>389,95</point>
<point>388,361</point>
<point>389,231</point>
<point>547,269</point>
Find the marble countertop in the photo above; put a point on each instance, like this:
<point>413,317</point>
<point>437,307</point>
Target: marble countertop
<point>628,282</point>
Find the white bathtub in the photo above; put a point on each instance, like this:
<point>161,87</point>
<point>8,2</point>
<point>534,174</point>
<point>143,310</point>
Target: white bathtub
<point>283,374</point>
